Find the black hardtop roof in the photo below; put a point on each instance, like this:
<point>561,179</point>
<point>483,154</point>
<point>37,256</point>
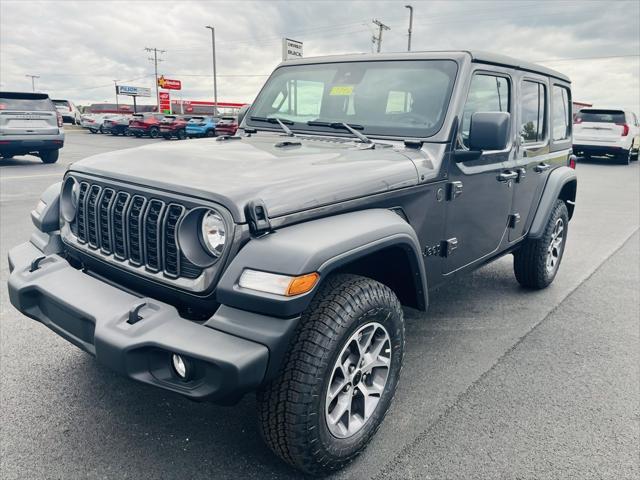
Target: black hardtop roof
<point>476,56</point>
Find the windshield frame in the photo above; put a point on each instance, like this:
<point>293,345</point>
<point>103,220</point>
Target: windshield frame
<point>303,128</point>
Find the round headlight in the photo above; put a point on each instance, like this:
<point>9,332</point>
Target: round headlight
<point>214,232</point>
<point>69,199</point>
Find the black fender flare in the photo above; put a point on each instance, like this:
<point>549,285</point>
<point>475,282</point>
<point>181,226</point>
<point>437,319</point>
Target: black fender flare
<point>322,246</point>
<point>562,183</point>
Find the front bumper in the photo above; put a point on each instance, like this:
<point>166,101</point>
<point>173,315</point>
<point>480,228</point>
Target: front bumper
<point>96,317</point>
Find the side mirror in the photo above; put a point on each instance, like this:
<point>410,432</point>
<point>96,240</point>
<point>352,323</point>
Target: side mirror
<point>242,113</point>
<point>489,131</point>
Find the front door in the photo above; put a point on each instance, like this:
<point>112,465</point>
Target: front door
<point>479,194</point>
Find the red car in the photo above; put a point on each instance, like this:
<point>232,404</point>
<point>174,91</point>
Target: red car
<point>174,126</point>
<point>227,126</point>
<point>145,124</point>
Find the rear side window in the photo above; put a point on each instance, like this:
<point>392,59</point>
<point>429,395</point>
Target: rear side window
<point>600,116</point>
<point>26,104</point>
<point>561,114</point>
<point>487,93</point>
<point>533,107</point>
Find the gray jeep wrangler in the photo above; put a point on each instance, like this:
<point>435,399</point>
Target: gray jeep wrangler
<point>279,260</point>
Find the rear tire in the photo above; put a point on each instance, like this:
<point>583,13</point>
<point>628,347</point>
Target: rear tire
<point>182,134</point>
<point>49,156</point>
<point>634,155</point>
<point>210,133</point>
<point>624,158</point>
<point>327,374</point>
<point>537,261</point>
<point>93,130</point>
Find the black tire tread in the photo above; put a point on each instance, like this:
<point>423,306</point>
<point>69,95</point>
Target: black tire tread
<point>529,261</point>
<point>283,405</point>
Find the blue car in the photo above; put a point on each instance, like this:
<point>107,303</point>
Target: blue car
<point>201,127</point>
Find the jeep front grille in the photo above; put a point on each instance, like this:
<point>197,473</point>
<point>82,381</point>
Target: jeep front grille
<point>134,228</point>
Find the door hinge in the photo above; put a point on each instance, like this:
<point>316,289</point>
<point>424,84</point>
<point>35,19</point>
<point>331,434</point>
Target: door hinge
<point>514,220</point>
<point>454,190</point>
<point>522,172</point>
<point>448,247</point>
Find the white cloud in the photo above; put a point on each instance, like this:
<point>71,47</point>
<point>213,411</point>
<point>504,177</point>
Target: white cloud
<point>78,48</point>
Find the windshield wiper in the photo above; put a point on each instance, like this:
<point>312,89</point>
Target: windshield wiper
<point>283,123</point>
<point>342,125</point>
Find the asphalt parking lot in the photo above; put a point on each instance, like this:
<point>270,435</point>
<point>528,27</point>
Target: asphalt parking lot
<point>498,382</point>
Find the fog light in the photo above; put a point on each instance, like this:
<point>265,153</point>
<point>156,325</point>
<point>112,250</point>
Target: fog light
<point>180,366</point>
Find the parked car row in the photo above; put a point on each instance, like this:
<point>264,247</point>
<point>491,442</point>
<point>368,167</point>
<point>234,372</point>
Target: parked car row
<point>155,125</point>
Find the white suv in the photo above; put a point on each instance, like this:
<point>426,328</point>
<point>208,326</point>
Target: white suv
<point>611,133</point>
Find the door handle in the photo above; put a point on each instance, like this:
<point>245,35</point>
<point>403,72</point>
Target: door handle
<point>508,175</point>
<point>541,167</point>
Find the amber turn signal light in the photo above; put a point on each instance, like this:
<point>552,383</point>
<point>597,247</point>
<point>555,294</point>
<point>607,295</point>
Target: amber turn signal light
<point>302,284</point>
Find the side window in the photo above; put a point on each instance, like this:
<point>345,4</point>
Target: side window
<point>399,102</point>
<point>561,119</point>
<point>533,107</point>
<point>487,93</point>
<point>302,99</point>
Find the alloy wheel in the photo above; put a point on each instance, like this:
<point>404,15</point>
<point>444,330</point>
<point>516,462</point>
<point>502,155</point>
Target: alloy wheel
<point>554,251</point>
<point>358,379</point>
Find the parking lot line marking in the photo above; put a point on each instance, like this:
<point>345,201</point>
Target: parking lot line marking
<point>19,177</point>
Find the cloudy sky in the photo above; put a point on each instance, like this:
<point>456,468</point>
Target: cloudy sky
<point>79,47</point>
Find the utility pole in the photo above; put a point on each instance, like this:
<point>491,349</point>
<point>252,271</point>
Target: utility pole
<point>410,26</point>
<point>381,27</point>
<point>33,81</point>
<point>155,61</point>
<point>115,83</point>
<point>215,83</point>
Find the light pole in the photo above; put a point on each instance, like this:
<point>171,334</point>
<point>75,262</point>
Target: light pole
<point>33,81</point>
<point>115,83</point>
<point>410,25</point>
<point>215,83</point>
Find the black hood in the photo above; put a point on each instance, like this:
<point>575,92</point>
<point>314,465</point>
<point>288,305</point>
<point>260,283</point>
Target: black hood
<point>233,172</point>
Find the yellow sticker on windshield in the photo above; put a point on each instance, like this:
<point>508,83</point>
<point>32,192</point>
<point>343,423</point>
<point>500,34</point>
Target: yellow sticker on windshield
<point>341,90</point>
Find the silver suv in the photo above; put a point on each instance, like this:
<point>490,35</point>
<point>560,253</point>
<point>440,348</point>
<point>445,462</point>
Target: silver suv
<point>30,124</point>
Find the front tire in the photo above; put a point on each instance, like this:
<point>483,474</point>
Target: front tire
<point>154,132</point>
<point>338,378</point>
<point>49,156</point>
<point>537,261</point>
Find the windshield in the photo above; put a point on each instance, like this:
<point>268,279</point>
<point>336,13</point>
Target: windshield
<point>406,98</point>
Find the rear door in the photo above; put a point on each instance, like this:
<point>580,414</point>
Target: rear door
<point>599,126</point>
<point>27,114</point>
<point>532,148</point>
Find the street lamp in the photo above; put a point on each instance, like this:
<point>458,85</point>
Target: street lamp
<point>215,84</point>
<point>33,81</point>
<point>410,25</point>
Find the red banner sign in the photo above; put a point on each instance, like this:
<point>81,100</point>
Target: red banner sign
<point>169,84</point>
<point>165,102</point>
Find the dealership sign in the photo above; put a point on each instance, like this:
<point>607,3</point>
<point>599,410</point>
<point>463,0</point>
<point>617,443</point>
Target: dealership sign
<point>165,102</point>
<point>291,49</point>
<point>133,91</point>
<point>169,84</point>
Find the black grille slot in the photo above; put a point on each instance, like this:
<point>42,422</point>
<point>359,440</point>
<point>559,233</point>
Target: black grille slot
<point>91,213</point>
<point>104,217</point>
<point>119,225</point>
<point>171,256</point>
<point>152,234</point>
<point>132,227</point>
<point>188,269</point>
<point>81,217</point>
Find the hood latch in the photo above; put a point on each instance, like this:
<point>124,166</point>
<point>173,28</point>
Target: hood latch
<point>258,218</point>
